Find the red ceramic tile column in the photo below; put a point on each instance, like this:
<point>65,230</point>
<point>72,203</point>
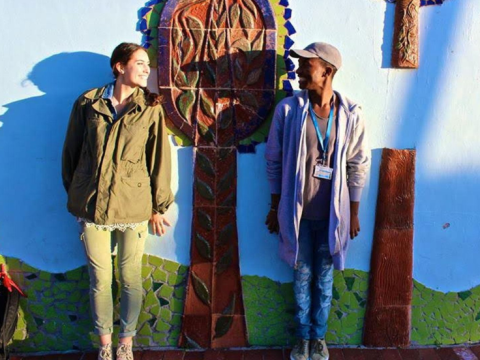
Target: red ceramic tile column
<point>405,39</point>
<point>388,316</point>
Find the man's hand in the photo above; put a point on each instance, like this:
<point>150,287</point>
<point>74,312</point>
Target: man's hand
<point>354,221</point>
<point>272,221</point>
<point>159,224</point>
<point>272,216</point>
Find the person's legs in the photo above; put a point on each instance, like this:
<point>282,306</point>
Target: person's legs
<point>131,244</point>
<point>302,281</point>
<point>98,250</point>
<point>322,290</point>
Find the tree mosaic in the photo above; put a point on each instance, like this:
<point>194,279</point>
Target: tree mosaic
<point>217,71</point>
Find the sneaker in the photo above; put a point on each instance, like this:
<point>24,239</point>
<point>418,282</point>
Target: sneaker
<point>318,350</point>
<point>105,352</point>
<point>124,352</point>
<point>300,350</point>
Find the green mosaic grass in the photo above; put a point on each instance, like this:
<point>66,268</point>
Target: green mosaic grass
<point>269,309</point>
<point>56,314</point>
<point>445,318</point>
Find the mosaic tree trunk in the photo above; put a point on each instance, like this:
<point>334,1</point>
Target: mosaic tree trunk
<point>217,62</point>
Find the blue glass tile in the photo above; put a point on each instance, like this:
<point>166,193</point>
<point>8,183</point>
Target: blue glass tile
<point>289,65</point>
<point>291,30</point>
<point>284,3</point>
<point>146,45</point>
<point>143,25</point>
<point>287,86</point>
<point>247,149</point>
<point>288,43</point>
<point>144,11</point>
<point>286,54</point>
<point>287,14</point>
<point>423,3</point>
<point>291,75</point>
<point>147,32</point>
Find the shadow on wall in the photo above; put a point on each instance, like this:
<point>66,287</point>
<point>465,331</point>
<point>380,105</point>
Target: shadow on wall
<point>35,224</point>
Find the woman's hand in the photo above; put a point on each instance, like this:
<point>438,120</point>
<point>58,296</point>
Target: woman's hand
<point>159,223</point>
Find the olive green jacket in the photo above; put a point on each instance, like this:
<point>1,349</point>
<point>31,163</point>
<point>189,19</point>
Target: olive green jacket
<point>116,171</point>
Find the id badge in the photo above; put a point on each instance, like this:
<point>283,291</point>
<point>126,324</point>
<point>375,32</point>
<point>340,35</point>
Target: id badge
<point>323,172</point>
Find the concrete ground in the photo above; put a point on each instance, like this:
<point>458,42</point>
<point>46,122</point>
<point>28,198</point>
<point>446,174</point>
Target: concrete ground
<point>443,353</point>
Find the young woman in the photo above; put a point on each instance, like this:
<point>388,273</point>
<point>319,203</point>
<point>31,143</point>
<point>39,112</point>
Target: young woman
<point>116,170</point>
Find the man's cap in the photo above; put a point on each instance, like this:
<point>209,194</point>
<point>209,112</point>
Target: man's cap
<point>324,51</point>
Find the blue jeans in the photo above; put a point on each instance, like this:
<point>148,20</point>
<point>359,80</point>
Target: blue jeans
<point>313,280</point>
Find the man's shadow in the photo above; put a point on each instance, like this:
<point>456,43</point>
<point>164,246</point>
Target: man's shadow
<point>34,223</point>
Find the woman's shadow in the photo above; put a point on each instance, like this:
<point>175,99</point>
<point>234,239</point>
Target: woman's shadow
<point>34,223</point>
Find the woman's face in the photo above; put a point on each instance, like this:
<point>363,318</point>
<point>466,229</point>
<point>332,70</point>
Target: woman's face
<point>135,72</point>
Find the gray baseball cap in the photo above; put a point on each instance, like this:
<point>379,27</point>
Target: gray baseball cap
<point>321,50</point>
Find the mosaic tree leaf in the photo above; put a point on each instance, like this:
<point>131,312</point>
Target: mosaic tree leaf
<point>234,15</point>
<point>227,179</point>
<point>228,200</point>
<point>251,7</point>
<point>191,344</point>
<point>242,44</point>
<point>185,104</point>
<point>204,190</point>
<point>205,163</point>
<point>194,23</point>
<point>230,309</point>
<point>207,105</point>
<point>248,100</point>
<point>247,19</point>
<point>225,235</point>
<point>225,261</point>
<point>254,76</point>
<point>204,219</point>
<point>238,69</point>
<point>180,77</point>
<point>205,132</point>
<point>203,246</point>
<point>226,118</point>
<point>200,289</point>
<point>210,72</point>
<point>224,323</point>
<point>223,153</point>
<point>192,78</point>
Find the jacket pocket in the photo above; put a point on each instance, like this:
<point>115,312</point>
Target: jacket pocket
<point>134,138</point>
<point>135,198</point>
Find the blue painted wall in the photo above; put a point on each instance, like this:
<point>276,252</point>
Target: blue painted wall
<point>53,50</point>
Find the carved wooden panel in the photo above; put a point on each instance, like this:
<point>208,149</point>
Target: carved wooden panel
<point>216,65</point>
<point>405,39</point>
<point>388,316</point>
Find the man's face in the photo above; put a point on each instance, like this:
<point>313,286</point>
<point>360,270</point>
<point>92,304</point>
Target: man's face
<point>311,73</point>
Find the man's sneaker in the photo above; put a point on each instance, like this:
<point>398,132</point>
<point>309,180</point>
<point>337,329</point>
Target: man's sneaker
<point>124,352</point>
<point>318,350</point>
<point>105,352</point>
<point>300,350</point>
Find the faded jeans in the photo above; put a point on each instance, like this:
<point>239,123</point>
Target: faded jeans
<point>313,280</point>
<point>131,244</point>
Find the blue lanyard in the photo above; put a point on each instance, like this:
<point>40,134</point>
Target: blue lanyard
<point>323,142</point>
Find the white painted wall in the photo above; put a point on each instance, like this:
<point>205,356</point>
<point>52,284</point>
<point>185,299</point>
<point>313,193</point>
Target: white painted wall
<point>52,50</point>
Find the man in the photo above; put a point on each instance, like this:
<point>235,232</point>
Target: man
<point>317,162</point>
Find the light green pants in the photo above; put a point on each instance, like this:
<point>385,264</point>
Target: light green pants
<point>130,246</point>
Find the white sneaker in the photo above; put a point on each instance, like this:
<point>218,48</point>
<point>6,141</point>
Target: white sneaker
<point>105,352</point>
<point>124,352</point>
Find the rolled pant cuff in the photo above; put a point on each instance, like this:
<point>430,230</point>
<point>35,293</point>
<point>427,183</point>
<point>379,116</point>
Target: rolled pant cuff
<point>103,331</point>
<point>127,334</point>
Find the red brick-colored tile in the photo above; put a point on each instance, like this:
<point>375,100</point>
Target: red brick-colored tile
<point>191,355</point>
<point>410,354</point>
<point>173,355</point>
<point>372,354</point>
<point>253,355</point>
<point>153,355</point>
<point>91,355</point>
<point>428,354</point>
<point>336,353</point>
<point>15,357</point>
<point>137,355</point>
<point>475,350</point>
<point>465,353</point>
<point>236,355</point>
<point>214,355</point>
<point>447,354</point>
<point>273,354</point>
<point>353,354</point>
<point>390,354</point>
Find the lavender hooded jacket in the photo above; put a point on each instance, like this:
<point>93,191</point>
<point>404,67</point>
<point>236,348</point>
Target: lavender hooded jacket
<point>286,155</point>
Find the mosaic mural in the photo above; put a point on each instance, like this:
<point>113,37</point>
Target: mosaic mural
<point>57,309</point>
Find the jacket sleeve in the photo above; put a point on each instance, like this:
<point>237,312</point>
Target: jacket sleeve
<point>273,151</point>
<point>358,158</point>
<point>159,164</point>
<point>72,146</point>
